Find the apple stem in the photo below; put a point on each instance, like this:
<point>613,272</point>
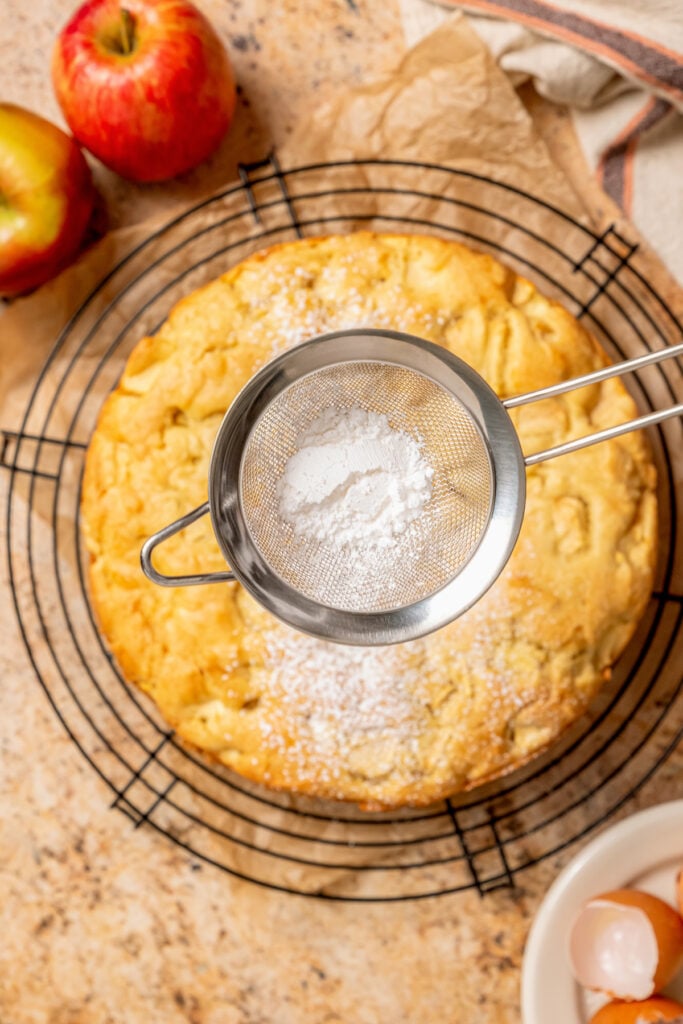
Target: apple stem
<point>127,31</point>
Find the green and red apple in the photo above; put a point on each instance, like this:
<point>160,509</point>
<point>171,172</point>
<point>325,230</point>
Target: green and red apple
<point>46,199</point>
<point>145,85</point>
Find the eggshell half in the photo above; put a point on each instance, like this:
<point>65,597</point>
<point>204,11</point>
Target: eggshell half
<point>656,1009</point>
<point>626,943</point>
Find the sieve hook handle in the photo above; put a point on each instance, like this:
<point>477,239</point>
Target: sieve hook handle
<point>168,531</point>
<point>617,370</point>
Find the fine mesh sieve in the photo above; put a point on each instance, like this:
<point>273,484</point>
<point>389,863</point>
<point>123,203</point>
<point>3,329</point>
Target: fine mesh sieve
<point>432,549</point>
<point>447,557</point>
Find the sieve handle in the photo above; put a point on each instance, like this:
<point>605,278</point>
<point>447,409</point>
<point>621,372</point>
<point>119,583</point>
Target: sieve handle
<point>157,538</point>
<point>607,434</point>
<point>616,370</point>
<point>595,376</point>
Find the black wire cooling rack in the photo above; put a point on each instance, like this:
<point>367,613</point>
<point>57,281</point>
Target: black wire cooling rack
<point>296,845</point>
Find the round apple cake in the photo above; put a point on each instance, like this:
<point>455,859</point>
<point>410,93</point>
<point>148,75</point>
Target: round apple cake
<point>384,727</point>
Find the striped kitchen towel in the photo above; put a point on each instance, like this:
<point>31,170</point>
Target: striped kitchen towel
<point>618,64</point>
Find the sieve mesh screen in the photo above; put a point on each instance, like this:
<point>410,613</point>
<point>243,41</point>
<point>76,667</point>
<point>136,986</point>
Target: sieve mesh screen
<point>433,548</point>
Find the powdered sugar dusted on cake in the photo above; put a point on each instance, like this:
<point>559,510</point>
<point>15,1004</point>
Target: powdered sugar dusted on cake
<point>354,481</point>
<point>347,703</point>
<point>295,311</point>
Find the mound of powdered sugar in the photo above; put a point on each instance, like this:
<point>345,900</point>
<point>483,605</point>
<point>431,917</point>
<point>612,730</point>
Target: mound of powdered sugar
<point>354,480</point>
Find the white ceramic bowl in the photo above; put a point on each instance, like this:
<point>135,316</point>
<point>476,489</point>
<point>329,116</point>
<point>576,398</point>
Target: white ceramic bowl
<point>645,852</point>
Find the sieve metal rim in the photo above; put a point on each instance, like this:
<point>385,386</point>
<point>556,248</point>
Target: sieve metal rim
<point>508,487</point>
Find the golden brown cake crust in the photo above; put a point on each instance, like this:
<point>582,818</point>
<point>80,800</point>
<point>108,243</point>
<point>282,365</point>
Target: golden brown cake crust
<point>387,727</point>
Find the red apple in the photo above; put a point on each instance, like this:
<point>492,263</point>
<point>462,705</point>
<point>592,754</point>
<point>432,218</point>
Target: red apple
<point>46,199</point>
<point>145,85</point>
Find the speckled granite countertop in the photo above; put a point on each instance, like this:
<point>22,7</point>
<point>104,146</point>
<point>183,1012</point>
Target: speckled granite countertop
<point>105,924</point>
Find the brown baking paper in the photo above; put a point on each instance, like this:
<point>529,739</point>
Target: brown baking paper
<point>446,105</point>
